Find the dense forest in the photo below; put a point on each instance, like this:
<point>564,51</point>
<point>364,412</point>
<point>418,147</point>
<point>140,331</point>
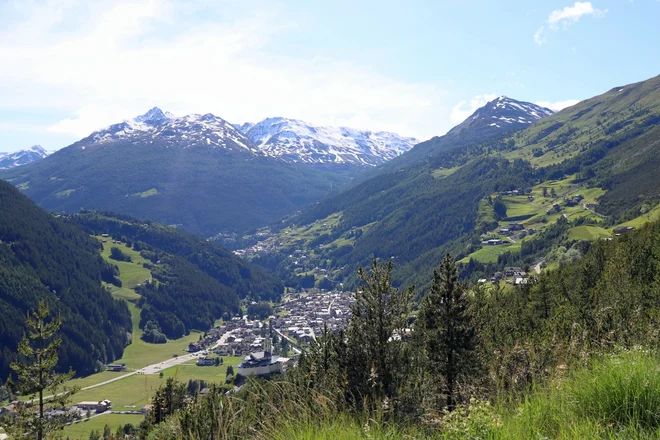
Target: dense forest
<point>246,279</point>
<point>195,282</point>
<point>42,257</point>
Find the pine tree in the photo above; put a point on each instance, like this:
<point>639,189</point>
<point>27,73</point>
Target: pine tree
<point>446,330</point>
<point>36,375</point>
<point>375,333</point>
<point>107,433</point>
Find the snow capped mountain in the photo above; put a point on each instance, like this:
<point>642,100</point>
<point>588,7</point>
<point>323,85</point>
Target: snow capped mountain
<point>289,140</point>
<point>156,126</point>
<point>297,141</point>
<point>22,157</point>
<point>502,113</point>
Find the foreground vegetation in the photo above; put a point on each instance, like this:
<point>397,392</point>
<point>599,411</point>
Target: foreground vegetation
<point>571,356</point>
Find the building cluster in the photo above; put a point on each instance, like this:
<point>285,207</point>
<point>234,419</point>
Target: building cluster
<point>302,316</point>
<point>66,414</point>
<point>516,192</point>
<point>237,337</point>
<point>511,275</point>
<point>512,230</point>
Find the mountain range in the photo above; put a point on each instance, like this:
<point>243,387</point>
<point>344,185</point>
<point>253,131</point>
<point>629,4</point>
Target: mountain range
<point>22,157</point>
<point>297,141</point>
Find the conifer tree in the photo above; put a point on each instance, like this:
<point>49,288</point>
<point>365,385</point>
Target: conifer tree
<point>446,330</point>
<point>36,375</point>
<point>380,314</point>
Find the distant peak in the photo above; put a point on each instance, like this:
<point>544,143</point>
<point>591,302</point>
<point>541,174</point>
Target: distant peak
<point>154,115</point>
<point>37,148</point>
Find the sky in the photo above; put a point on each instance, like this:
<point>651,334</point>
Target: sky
<point>414,67</point>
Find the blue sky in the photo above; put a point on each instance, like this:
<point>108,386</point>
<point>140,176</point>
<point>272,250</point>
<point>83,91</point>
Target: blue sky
<point>415,67</point>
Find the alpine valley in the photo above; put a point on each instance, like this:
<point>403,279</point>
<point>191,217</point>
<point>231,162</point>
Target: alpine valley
<point>200,172</point>
<point>539,185</point>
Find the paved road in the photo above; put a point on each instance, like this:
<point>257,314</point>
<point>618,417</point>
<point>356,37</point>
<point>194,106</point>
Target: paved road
<point>157,368</point>
<point>150,369</point>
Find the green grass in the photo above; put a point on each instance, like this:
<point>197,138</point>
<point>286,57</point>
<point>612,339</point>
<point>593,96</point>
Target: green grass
<point>650,216</point>
<point>489,254</point>
<point>616,397</point>
<point>441,173</point>
<point>590,233</point>
<point>126,294</point>
<point>131,273</point>
<point>140,353</point>
<point>136,390</point>
<point>519,206</point>
<point>81,430</point>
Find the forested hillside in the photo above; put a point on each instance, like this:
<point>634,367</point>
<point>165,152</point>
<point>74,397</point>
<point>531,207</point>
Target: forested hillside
<point>195,281</point>
<point>42,257</point>
<point>605,147</point>
<point>203,189</point>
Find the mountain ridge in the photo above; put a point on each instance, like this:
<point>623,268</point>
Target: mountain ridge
<point>22,157</point>
<point>297,141</point>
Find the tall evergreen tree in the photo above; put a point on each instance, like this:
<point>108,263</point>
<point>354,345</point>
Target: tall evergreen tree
<point>36,375</point>
<point>446,330</point>
<point>380,314</point>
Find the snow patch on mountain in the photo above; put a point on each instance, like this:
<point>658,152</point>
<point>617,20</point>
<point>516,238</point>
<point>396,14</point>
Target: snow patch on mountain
<point>527,112</point>
<point>297,141</point>
<point>289,140</point>
<point>168,129</point>
<point>22,157</point>
<point>499,114</point>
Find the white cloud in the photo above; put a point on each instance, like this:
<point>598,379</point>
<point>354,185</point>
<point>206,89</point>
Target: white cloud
<point>565,17</point>
<point>538,36</point>
<point>571,14</point>
<point>465,108</point>
<point>103,62</point>
<point>557,105</point>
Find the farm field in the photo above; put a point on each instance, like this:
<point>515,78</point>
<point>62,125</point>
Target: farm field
<point>81,430</point>
<point>441,173</point>
<point>489,254</point>
<point>133,392</point>
<point>588,233</point>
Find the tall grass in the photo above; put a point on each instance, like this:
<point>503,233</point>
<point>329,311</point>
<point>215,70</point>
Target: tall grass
<point>622,391</point>
<point>616,397</point>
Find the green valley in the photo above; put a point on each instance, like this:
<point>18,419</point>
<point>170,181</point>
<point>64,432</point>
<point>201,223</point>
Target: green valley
<point>576,167</point>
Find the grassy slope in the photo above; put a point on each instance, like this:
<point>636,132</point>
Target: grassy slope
<point>534,215</point>
<point>81,430</point>
<point>140,353</point>
<point>588,233</point>
<point>616,397</point>
<point>135,391</point>
<point>570,131</point>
